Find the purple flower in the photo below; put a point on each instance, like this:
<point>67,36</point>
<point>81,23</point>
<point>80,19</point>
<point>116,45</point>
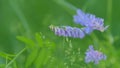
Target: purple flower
<point>87,30</point>
<point>89,20</point>
<point>68,31</point>
<point>94,55</point>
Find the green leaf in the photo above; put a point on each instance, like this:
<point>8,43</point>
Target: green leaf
<point>42,58</point>
<point>27,41</point>
<point>31,58</point>
<point>39,39</point>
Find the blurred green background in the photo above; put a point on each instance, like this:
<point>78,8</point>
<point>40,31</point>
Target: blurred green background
<point>23,20</point>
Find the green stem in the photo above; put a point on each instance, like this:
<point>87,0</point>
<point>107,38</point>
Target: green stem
<point>109,20</point>
<point>109,11</point>
<point>15,57</point>
<point>6,60</point>
<point>87,3</point>
<point>21,16</point>
<point>67,6</point>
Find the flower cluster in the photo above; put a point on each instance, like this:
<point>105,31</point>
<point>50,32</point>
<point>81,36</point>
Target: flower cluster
<point>89,21</point>
<point>94,55</point>
<point>68,31</point>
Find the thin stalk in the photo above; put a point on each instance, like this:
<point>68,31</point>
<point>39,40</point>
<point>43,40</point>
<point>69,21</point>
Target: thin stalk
<point>67,6</point>
<point>109,20</point>
<point>6,60</point>
<point>15,57</point>
<point>109,11</point>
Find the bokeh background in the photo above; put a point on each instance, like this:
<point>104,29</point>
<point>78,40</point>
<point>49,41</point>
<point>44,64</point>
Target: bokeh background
<point>23,21</point>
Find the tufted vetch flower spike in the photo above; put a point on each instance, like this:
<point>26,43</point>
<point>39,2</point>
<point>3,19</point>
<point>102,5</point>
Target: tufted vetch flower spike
<point>89,20</point>
<point>94,55</point>
<point>87,30</point>
<point>68,31</point>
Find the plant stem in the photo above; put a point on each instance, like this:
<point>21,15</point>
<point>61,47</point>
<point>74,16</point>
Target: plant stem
<point>15,57</point>
<point>21,16</point>
<point>67,6</point>
<point>109,11</point>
